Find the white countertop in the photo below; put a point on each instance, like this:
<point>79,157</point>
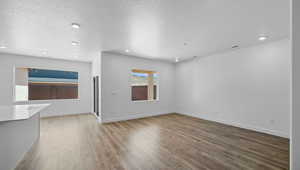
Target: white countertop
<point>20,112</point>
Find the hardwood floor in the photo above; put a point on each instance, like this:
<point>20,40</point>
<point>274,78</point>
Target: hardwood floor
<point>164,142</point>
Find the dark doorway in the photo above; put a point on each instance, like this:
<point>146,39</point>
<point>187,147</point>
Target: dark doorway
<point>96,94</point>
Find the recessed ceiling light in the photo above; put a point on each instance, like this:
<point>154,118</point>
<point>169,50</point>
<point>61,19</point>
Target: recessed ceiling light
<point>75,25</point>
<point>75,43</point>
<point>235,46</point>
<point>176,59</point>
<point>3,47</point>
<point>262,38</point>
<point>127,51</point>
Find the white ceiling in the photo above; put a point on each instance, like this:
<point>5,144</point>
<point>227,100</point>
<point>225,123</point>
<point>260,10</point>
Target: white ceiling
<point>149,28</point>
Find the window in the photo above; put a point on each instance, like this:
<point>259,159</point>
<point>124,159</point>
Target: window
<point>41,84</point>
<point>144,85</point>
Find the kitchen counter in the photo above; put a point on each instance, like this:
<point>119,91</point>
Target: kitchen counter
<point>20,112</point>
<point>19,130</point>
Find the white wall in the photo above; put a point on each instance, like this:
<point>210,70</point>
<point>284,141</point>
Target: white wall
<point>116,91</point>
<point>58,107</point>
<point>96,71</point>
<point>248,87</point>
<point>295,142</point>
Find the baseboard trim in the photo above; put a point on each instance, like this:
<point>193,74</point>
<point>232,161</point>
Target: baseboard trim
<point>129,117</point>
<point>239,125</point>
<point>62,115</point>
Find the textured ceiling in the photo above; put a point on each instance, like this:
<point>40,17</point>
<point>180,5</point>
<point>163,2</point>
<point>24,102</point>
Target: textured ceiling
<point>148,28</point>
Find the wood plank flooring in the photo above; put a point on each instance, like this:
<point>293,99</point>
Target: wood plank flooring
<point>167,142</point>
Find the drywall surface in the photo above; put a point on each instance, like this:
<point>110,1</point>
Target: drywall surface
<point>96,71</point>
<point>295,141</point>
<point>116,88</point>
<point>58,107</point>
<point>247,87</point>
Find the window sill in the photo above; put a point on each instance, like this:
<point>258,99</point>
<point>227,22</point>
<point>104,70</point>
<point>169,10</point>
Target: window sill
<point>43,101</point>
<point>144,101</point>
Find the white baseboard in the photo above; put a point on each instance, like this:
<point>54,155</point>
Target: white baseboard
<point>117,118</point>
<point>129,117</point>
<point>65,114</point>
<point>239,125</point>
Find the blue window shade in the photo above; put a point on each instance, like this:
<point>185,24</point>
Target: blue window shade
<point>41,73</point>
<point>139,74</point>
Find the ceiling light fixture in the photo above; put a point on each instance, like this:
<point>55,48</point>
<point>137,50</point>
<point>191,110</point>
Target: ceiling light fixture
<point>75,43</point>
<point>176,59</point>
<point>75,25</point>
<point>262,38</point>
<point>127,51</point>
<point>235,46</point>
<point>3,47</point>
